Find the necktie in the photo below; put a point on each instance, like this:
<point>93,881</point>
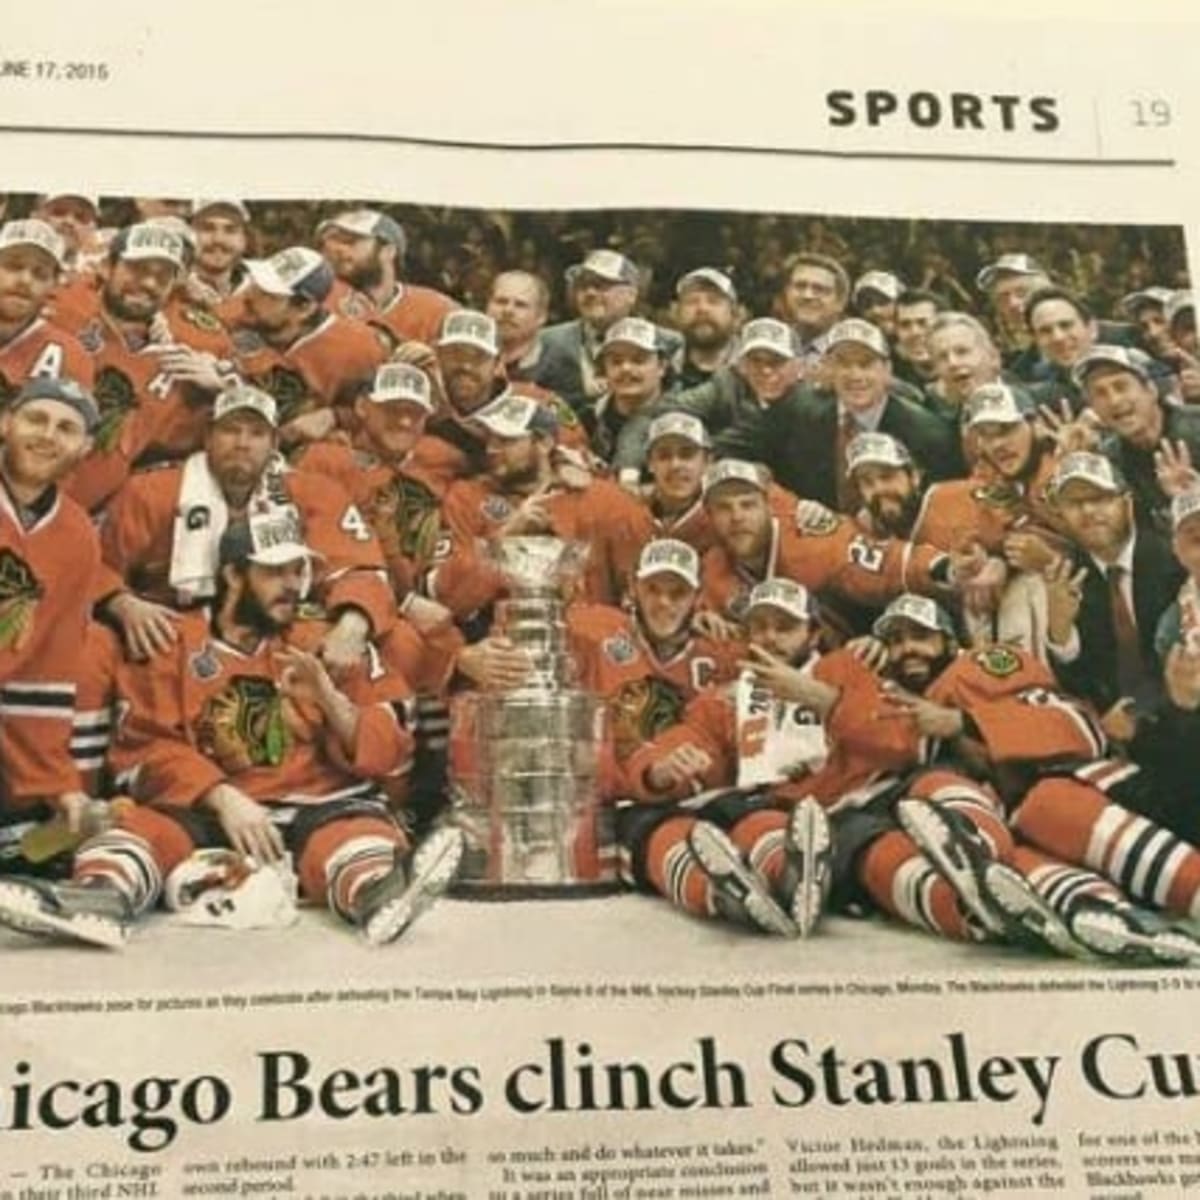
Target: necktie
<point>847,493</point>
<point>1129,651</point>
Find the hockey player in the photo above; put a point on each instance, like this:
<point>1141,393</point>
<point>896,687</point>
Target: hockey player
<point>161,537</point>
<point>528,490</point>
<point>238,737</point>
<point>32,259</point>
<point>1000,711</point>
<point>800,736</point>
<point>48,559</point>
<point>313,362</point>
<point>366,249</point>
<point>827,554</point>
<point>679,452</point>
<point>157,366</point>
<point>399,496</point>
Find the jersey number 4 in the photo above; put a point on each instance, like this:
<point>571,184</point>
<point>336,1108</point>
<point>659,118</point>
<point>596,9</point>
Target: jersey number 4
<point>352,523</point>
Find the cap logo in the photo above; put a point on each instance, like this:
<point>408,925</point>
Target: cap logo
<point>148,239</point>
<point>668,554</point>
<point>279,527</point>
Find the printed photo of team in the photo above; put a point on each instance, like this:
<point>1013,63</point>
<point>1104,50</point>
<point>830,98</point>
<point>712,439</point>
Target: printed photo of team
<point>891,597</point>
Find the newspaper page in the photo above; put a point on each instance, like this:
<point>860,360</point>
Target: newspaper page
<point>602,1046</point>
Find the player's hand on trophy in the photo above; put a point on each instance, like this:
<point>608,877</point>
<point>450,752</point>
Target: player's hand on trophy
<point>712,625</point>
<point>1181,674</point>
<point>494,664</point>
<point>245,822</point>
<point>788,683</point>
<point>683,767</point>
<point>932,720</point>
<point>147,628</point>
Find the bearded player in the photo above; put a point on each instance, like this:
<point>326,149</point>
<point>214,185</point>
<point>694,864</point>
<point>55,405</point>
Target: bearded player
<point>806,773</point>
<point>239,738</point>
<point>999,711</point>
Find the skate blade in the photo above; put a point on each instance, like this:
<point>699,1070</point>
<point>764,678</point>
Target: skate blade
<point>1017,900</point>
<point>939,843</point>
<point>1109,936</point>
<point>808,833</point>
<point>434,866</point>
<point>720,861</point>
<point>23,909</point>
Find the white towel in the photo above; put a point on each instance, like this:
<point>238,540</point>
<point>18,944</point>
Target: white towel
<point>200,520</point>
<point>777,739</point>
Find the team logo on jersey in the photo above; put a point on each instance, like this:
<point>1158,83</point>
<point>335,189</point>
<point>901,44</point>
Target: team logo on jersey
<point>998,660</point>
<point>289,391</point>
<point>19,595</point>
<point>116,399</point>
<point>244,725</point>
<point>354,304</point>
<point>205,664</point>
<point>91,337</point>
<point>997,495</point>
<point>406,514</point>
<point>640,710</point>
<point>566,416</point>
<point>495,508</point>
<point>619,649</point>
<point>201,319</point>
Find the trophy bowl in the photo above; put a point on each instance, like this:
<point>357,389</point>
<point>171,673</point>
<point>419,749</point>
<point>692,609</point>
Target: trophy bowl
<point>537,566</point>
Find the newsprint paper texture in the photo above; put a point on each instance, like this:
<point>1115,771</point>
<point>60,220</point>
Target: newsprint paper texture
<point>600,1049</point>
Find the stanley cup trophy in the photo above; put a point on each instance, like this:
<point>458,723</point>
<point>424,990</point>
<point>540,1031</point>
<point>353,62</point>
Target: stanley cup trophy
<point>523,763</point>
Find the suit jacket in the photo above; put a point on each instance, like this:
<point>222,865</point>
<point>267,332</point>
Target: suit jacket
<point>797,439</point>
<point>1157,578</point>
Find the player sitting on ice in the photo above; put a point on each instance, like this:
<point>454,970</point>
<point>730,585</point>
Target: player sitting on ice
<point>1076,809</point>
<point>803,735</point>
<point>236,736</point>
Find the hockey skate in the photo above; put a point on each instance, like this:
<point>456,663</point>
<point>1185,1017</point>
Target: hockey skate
<point>740,894</point>
<point>387,906</point>
<point>1133,936</point>
<point>807,867</point>
<point>95,915</point>
<point>998,898</point>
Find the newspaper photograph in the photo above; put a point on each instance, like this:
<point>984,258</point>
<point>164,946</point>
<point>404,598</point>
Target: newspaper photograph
<point>627,632</point>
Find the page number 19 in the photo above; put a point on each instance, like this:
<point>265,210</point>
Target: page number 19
<point>1151,114</point>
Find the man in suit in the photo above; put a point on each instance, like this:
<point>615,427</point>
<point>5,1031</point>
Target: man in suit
<point>604,290</point>
<point>803,436</point>
<point>1119,386</point>
<point>1104,604</point>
